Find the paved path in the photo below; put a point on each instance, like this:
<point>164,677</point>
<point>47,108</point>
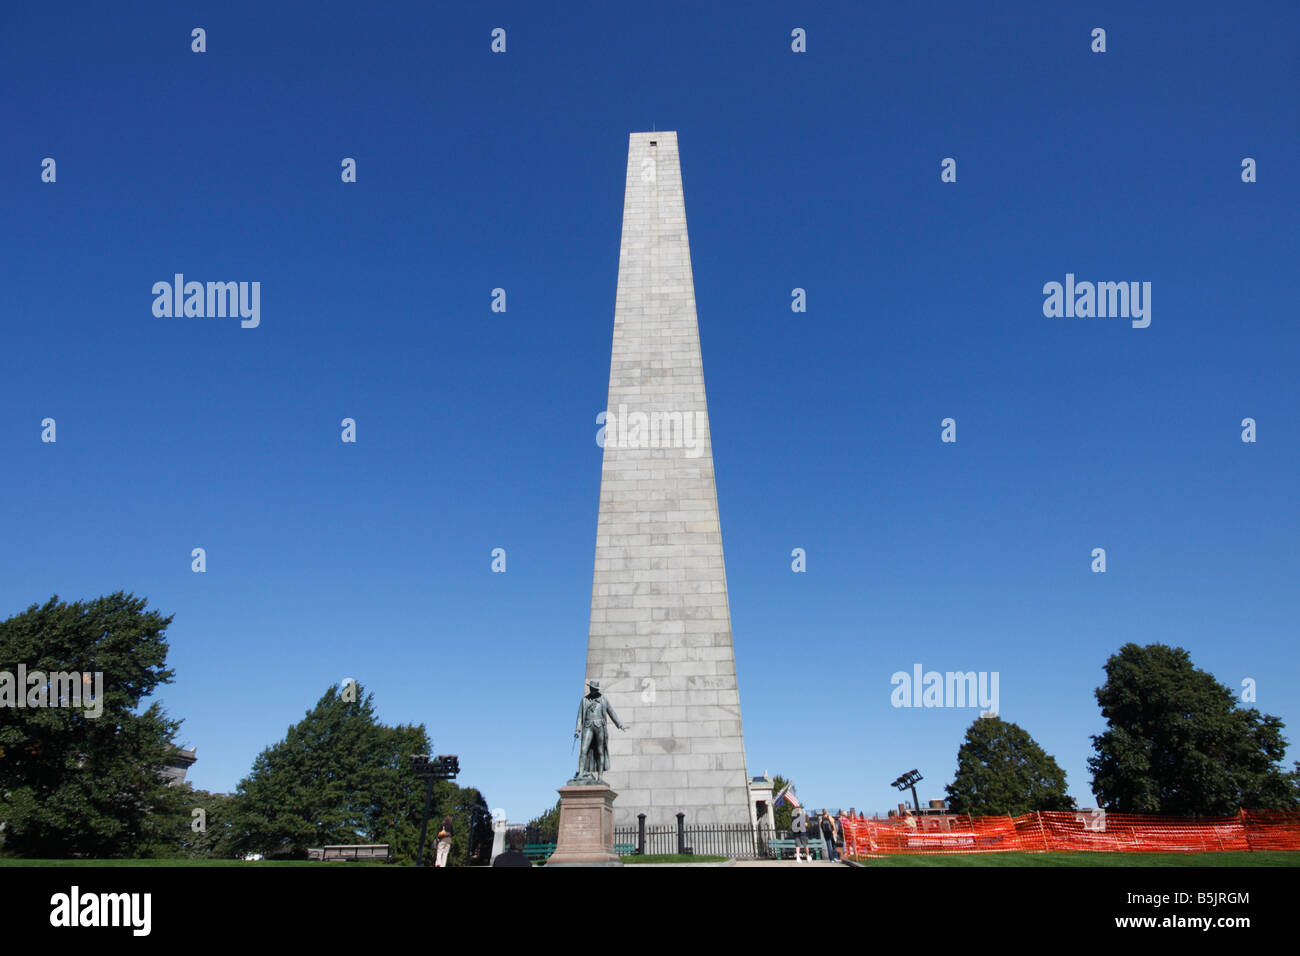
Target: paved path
<point>814,863</point>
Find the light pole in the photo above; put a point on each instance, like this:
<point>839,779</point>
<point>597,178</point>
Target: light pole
<point>442,767</point>
<point>909,779</point>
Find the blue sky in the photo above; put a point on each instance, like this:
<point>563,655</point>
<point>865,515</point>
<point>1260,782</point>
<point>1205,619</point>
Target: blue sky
<point>476,429</point>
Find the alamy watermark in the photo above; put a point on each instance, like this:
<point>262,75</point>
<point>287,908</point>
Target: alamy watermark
<point>38,689</point>
<point>74,909</point>
<point>1103,300</point>
<point>624,429</point>
<point>213,300</point>
<point>923,688</point>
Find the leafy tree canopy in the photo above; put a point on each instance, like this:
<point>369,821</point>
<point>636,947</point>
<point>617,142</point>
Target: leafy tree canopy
<point>1178,744</point>
<point>208,834</point>
<point>341,777</point>
<point>1002,771</point>
<point>781,816</point>
<point>548,822</point>
<point>86,780</point>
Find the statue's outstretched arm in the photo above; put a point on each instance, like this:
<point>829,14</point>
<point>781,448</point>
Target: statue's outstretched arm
<point>613,716</point>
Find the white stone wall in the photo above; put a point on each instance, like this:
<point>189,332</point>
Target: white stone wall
<point>660,635</point>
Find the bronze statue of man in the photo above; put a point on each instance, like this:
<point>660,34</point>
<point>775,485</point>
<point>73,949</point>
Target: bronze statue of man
<point>593,752</point>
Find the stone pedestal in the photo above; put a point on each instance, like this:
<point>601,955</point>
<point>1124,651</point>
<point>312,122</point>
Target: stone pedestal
<point>586,836</point>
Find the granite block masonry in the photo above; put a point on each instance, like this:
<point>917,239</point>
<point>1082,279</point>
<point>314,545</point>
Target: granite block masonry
<point>660,635</point>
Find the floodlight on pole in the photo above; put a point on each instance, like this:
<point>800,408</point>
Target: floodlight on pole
<point>442,767</point>
<point>909,780</point>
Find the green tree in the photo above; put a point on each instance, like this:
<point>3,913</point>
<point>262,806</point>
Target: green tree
<point>338,777</point>
<point>397,795</point>
<point>472,836</point>
<point>79,781</point>
<point>208,835</point>
<point>341,777</point>
<point>471,825</point>
<point>548,822</point>
<point>1177,743</point>
<point>782,814</point>
<point>1002,771</point>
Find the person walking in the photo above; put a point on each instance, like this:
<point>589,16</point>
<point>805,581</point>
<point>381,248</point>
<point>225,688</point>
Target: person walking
<point>444,842</point>
<point>799,828</point>
<point>828,834</point>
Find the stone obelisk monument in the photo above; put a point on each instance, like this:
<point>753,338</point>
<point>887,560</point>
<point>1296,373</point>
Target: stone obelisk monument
<point>660,636</point>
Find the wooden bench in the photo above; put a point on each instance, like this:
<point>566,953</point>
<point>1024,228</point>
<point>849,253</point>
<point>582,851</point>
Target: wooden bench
<point>359,851</point>
<point>543,851</point>
<point>539,851</point>
<point>781,847</point>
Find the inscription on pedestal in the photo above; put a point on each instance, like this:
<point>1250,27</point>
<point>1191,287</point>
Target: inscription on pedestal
<point>586,836</point>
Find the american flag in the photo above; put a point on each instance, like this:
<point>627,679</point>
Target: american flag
<point>787,793</point>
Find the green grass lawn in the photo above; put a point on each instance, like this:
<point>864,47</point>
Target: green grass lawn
<point>1259,858</point>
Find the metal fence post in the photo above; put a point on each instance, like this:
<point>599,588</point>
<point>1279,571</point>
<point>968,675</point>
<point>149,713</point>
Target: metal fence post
<point>681,834</point>
<point>640,834</point>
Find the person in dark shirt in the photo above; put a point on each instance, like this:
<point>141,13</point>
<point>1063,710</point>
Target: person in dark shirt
<point>828,834</point>
<point>514,855</point>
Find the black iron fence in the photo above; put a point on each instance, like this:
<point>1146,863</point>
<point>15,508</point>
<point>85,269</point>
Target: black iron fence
<point>733,840</point>
<point>534,836</point>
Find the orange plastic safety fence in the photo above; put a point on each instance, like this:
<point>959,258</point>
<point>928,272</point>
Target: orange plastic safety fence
<point>1086,830</point>
<point>1272,829</point>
